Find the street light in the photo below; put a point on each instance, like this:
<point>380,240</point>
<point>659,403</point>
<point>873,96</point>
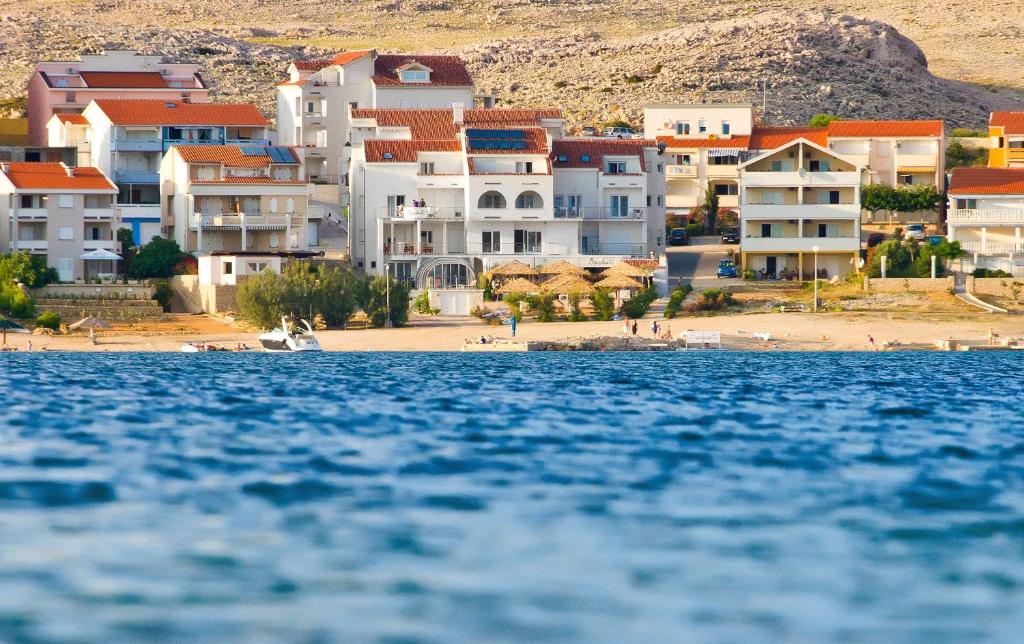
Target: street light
<point>387,295</point>
<point>815,249</point>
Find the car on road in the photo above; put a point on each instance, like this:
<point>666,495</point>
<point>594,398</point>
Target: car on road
<point>731,236</point>
<point>678,237</point>
<point>935,240</point>
<point>619,133</point>
<point>874,239</point>
<point>727,268</point>
<point>914,231</point>
<point>589,131</point>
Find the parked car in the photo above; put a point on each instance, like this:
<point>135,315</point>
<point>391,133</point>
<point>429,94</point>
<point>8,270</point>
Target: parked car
<point>935,240</point>
<point>914,231</point>
<point>678,237</point>
<point>874,239</point>
<point>619,133</point>
<point>731,236</point>
<point>589,131</point>
<point>726,268</point>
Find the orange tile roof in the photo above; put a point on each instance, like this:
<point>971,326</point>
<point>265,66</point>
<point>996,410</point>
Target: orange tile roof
<point>741,142</point>
<point>769,138</point>
<point>156,112</point>
<point>434,124</point>
<point>344,58</point>
<point>127,80</point>
<point>227,155</point>
<point>883,129</point>
<point>405,151</point>
<point>597,149</point>
<point>74,119</point>
<point>987,181</point>
<point>1012,122</point>
<point>311,65</point>
<point>54,176</point>
<point>250,180</point>
<point>448,71</point>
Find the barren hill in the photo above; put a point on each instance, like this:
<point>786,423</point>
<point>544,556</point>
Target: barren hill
<point>594,58</point>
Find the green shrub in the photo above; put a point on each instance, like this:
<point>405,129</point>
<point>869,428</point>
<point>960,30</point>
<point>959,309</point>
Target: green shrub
<point>422,304</point>
<point>15,303</point>
<point>749,275</point>
<point>544,305</point>
<point>48,320</point>
<point>637,306</point>
<point>156,259</point>
<point>164,293</point>
<point>484,283</point>
<point>988,272</point>
<point>575,311</point>
<point>822,120</point>
<point>692,230</point>
<point>604,305</point>
<point>30,270</point>
<point>332,293</point>
<point>381,289</point>
<point>675,300</point>
<point>968,133</point>
<point>879,196</point>
<point>713,299</point>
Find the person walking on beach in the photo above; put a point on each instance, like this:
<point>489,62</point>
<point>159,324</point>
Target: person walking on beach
<point>654,328</point>
<point>871,343</point>
<point>634,328</point>
<point>625,326</point>
<point>28,346</point>
<point>513,325</point>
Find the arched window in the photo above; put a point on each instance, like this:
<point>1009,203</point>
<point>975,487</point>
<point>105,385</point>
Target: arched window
<point>529,199</point>
<point>491,199</point>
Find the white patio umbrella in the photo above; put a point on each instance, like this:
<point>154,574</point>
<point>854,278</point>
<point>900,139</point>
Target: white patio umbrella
<point>103,255</point>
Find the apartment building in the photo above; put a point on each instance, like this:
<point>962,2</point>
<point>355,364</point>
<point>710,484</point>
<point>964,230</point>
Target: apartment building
<point>894,153</point>
<point>313,103</point>
<point>800,201</point>
<point>440,195</point>
<point>986,215</point>
<point>67,87</point>
<point>1006,135</point>
<point>235,198</point>
<point>60,212</point>
<point>704,144</point>
<point>127,139</point>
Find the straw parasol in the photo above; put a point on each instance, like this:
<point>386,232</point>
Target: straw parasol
<point>624,268</point>
<point>561,267</point>
<point>512,269</point>
<point>518,285</point>
<point>568,285</point>
<point>619,281</point>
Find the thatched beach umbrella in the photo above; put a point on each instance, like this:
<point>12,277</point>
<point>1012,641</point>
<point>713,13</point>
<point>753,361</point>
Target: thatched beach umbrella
<point>568,285</point>
<point>518,285</point>
<point>618,281</point>
<point>512,269</point>
<point>562,267</point>
<point>624,268</point>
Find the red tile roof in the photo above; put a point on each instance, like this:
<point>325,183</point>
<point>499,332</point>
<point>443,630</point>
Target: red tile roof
<point>448,71</point>
<point>74,119</point>
<point>227,155</point>
<point>158,112</point>
<point>987,181</point>
<point>597,149</point>
<point>1012,122</point>
<point>405,151</point>
<point>434,124</point>
<point>769,138</point>
<point>741,142</point>
<point>344,58</point>
<point>311,65</point>
<point>54,176</point>
<point>127,80</point>
<point>885,129</point>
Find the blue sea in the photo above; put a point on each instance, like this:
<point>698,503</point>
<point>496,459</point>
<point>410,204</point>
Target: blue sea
<point>685,497</point>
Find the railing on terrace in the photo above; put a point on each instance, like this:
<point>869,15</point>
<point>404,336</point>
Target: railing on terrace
<point>412,213</point>
<point>986,216</point>
<point>511,249</point>
<point>992,248</point>
<point>602,212</point>
<point>236,220</point>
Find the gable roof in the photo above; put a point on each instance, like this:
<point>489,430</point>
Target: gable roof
<point>230,156</point>
<point>821,148</point>
<point>73,119</point>
<point>1011,122</point>
<point>405,151</point>
<point>741,142</point>
<point>436,124</point>
<point>987,181</point>
<point>343,58</point>
<point>447,71</point>
<point>769,138</point>
<point>596,149</point>
<point>54,176</point>
<point>160,112</point>
<point>124,80</point>
<point>884,129</point>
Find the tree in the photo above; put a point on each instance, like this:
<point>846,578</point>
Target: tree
<point>822,120</point>
<point>381,290</point>
<point>959,156</point>
<point>156,259</point>
<point>126,239</point>
<point>897,256</point>
<point>604,305</point>
<point>575,310</point>
<point>335,295</point>
<point>259,299</point>
<point>30,270</point>
<point>710,210</point>
<point>328,292</point>
<point>544,305</point>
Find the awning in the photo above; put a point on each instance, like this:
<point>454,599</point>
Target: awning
<point>100,254</point>
<point>916,168</point>
<point>723,152</point>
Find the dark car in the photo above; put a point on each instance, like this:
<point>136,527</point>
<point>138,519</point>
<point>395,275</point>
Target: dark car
<point>589,131</point>
<point>731,236</point>
<point>874,239</point>
<point>678,237</point>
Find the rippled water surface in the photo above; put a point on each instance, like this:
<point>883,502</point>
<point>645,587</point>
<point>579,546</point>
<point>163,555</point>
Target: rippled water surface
<point>544,497</point>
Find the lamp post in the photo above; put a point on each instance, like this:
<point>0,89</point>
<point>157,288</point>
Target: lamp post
<point>387,295</point>
<point>815,249</point>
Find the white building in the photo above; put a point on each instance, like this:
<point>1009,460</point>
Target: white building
<point>313,104</point>
<point>986,215</point>
<point>127,139</point>
<point>442,194</point>
<point>59,212</point>
<point>236,198</point>
<point>799,201</point>
<point>894,153</point>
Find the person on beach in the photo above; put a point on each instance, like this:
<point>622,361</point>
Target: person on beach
<point>871,343</point>
<point>625,326</point>
<point>654,328</point>
<point>28,346</point>
<point>634,328</point>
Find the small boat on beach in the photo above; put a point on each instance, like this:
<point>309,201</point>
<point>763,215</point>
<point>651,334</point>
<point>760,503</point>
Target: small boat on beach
<point>294,334</point>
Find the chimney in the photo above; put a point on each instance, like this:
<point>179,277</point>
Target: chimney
<point>4,167</point>
<point>458,113</point>
<point>68,169</point>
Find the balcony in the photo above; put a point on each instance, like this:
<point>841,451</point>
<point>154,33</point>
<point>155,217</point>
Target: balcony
<point>849,212</point>
<point>986,217</point>
<point>31,245</point>
<point>602,213</point>
<point>412,213</point>
<point>138,145</point>
<point>916,160</point>
<point>722,172</point>
<point>992,248</point>
<point>98,214</point>
<point>681,171</point>
<point>32,213</point>
<point>235,221</point>
<point>136,176</point>
<point>799,244</point>
<point>100,244</point>
<point>622,181</point>
<point>260,143</point>
<point>139,210</point>
<point>802,178</point>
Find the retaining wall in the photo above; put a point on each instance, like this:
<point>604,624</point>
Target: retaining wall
<point>998,286</point>
<point>97,291</point>
<point>915,284</point>
<point>204,298</point>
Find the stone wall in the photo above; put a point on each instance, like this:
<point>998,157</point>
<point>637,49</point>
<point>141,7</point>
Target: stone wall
<point>998,286</point>
<point>72,309</point>
<point>97,291</point>
<point>204,298</point>
<point>901,284</point>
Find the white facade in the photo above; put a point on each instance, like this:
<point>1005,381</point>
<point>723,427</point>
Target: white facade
<point>988,225</point>
<point>892,157</point>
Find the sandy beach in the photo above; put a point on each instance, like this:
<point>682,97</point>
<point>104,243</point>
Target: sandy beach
<point>847,331</point>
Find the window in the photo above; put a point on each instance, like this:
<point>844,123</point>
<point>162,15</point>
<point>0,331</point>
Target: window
<point>309,107</point>
<point>229,268</point>
<point>771,230</point>
<point>66,269</point>
<point>353,105</point>
<point>415,76</point>
<point>491,240</point>
<point>966,204</point>
<point>619,205</point>
<point>66,233</point>
<point>256,267</point>
<point>491,199</point>
<point>273,204</point>
<point>776,166</point>
<point>427,236</point>
<point>584,158</point>
<point>816,165</point>
<point>33,201</point>
<point>725,189</point>
<point>93,233</point>
<point>683,159</point>
<point>26,233</point>
<point>906,179</point>
<point>828,230</point>
<point>615,167</point>
<point>683,128</point>
<point>726,128</point>
<point>524,167</point>
<point>395,203</point>
<point>661,168</point>
<point>727,159</point>
<point>661,200</point>
<point>529,199</point>
<point>527,241</point>
<point>772,197</point>
<point>289,205</point>
<point>702,126</point>
<point>648,201</point>
<point>69,97</point>
<point>562,158</point>
<point>65,201</point>
<point>298,105</point>
<point>427,168</point>
<point>388,155</point>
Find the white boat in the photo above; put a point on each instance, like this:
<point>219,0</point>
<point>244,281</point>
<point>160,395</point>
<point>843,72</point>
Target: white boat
<point>294,334</point>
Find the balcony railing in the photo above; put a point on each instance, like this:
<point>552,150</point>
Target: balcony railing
<point>511,249</point>
<point>412,213</point>
<point>100,244</point>
<point>595,213</point>
<point>676,171</point>
<point>248,142</point>
<point>136,176</point>
<point>986,216</point>
<point>31,245</point>
<point>32,213</point>
<point>992,248</point>
<point>849,212</point>
<point>138,145</point>
<point>800,244</point>
<point>250,221</point>
<point>98,213</point>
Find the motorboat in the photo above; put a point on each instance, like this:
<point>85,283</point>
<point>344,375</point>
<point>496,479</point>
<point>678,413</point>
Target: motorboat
<point>294,334</point>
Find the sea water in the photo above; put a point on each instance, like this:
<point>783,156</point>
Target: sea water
<point>648,497</point>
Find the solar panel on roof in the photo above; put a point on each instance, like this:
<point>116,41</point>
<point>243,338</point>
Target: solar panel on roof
<point>251,151</point>
<point>477,133</point>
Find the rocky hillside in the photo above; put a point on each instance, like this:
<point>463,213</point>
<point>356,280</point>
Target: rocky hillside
<point>597,59</point>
